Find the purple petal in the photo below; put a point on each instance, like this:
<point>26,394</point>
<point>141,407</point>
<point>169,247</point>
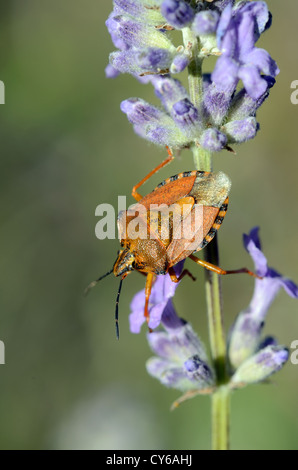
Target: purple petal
<point>223,25</point>
<point>252,244</point>
<point>246,35</point>
<point>254,84</point>
<point>252,237</point>
<point>263,61</point>
<point>155,313</point>
<point>259,11</point>
<point>163,289</point>
<point>170,319</point>
<point>225,74</point>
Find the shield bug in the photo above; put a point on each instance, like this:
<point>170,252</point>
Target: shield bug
<point>178,218</point>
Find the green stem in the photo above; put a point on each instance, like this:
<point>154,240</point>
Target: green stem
<point>203,161</point>
<point>220,419</point>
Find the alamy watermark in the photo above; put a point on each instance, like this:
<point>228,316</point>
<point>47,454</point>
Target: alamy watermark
<point>2,353</point>
<point>294,354</point>
<point>183,220</point>
<point>294,94</point>
<point>2,92</point>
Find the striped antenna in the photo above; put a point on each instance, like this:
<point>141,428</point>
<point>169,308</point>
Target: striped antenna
<point>93,283</point>
<point>117,310</point>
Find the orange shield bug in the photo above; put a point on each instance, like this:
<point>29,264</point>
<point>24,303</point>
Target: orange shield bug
<point>178,218</point>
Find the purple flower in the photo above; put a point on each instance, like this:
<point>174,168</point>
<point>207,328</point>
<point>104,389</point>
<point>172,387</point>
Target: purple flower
<point>247,330</point>
<point>178,13</point>
<point>237,32</point>
<point>162,291</point>
<point>181,360</point>
<point>259,367</point>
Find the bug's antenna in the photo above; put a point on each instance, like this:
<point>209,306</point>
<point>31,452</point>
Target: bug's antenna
<point>117,310</point>
<point>93,283</point>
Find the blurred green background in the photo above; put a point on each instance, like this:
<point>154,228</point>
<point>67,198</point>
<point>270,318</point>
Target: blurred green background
<point>65,148</point>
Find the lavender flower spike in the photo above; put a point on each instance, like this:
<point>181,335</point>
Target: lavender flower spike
<point>246,332</point>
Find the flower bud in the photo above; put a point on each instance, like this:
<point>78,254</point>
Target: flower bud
<point>187,117</point>
<point>205,22</point>
<point>260,366</point>
<point>241,131</point>
<point>213,140</point>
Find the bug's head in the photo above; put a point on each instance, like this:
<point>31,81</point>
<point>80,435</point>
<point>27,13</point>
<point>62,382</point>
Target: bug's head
<point>124,263</point>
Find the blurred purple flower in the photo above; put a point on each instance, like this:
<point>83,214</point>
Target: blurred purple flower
<point>247,330</point>
<point>237,32</point>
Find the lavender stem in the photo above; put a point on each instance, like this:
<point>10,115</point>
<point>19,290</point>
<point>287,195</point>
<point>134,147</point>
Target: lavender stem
<point>203,161</point>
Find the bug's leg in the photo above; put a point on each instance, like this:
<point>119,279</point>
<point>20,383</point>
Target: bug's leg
<point>176,278</point>
<point>149,281</point>
<point>134,192</point>
<point>218,270</point>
